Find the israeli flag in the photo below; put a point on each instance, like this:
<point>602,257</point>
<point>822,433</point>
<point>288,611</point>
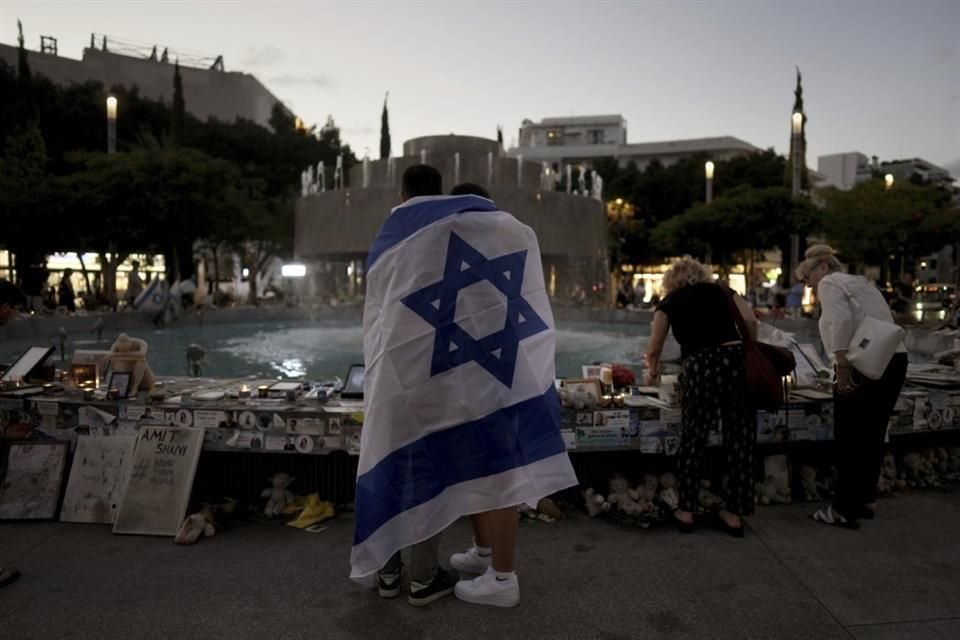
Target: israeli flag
<point>460,411</point>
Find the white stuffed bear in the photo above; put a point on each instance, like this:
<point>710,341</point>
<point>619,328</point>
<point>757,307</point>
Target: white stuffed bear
<point>278,496</point>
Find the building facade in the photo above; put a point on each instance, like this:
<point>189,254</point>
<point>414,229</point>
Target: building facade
<point>581,140</point>
<point>210,92</point>
<point>844,170</point>
<point>334,228</point>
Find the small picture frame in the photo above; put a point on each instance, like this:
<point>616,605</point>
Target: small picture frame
<point>591,371</point>
<point>118,384</point>
<point>591,386</point>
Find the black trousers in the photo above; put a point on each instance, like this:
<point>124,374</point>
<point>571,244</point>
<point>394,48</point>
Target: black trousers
<point>712,393</point>
<point>860,425</point>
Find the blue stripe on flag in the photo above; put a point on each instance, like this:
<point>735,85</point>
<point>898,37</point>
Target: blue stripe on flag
<point>409,219</point>
<point>506,439</point>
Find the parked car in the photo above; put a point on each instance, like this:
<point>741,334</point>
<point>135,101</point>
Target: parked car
<point>934,299</point>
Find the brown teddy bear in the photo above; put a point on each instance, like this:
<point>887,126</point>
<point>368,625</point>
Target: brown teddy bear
<point>129,355</point>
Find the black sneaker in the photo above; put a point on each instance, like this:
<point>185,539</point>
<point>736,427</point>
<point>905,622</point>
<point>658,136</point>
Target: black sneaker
<point>388,584</point>
<point>442,585</point>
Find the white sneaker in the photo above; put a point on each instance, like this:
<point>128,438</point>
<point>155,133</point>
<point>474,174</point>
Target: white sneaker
<point>487,590</point>
<point>470,561</point>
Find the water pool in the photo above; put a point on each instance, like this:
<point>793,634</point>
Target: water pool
<point>322,350</point>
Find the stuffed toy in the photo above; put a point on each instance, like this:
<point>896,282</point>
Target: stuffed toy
<point>954,453</point>
<point>914,471</point>
<point>196,524</point>
<point>580,400</point>
<point>278,496</point>
<point>647,492</point>
<point>623,496</point>
<point>771,493</point>
<point>549,508</point>
<point>708,500</point>
<point>129,355</point>
<point>668,490</point>
<point>888,482</point>
<point>596,503</point>
<point>808,478</point>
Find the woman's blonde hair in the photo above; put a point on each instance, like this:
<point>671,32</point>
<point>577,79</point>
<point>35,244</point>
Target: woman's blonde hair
<point>684,272</point>
<point>815,255</point>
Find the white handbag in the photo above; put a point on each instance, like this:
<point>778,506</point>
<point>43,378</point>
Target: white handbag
<point>873,343</point>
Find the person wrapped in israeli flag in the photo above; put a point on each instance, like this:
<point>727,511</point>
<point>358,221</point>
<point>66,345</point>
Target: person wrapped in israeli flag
<point>461,415</point>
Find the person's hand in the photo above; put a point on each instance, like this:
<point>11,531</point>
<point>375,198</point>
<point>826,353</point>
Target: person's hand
<point>845,383</point>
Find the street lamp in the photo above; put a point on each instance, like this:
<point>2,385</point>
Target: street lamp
<point>796,127</point>
<point>111,124</point>
<point>708,171</point>
<point>888,181</point>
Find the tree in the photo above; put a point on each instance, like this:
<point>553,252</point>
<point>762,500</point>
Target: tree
<point>179,107</point>
<point>872,225</point>
<point>740,220</point>
<point>385,130</point>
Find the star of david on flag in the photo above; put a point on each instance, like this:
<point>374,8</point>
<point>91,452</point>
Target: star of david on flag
<point>461,414</point>
<point>437,304</point>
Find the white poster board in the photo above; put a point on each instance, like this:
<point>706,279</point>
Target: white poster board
<point>161,476</point>
<point>99,471</point>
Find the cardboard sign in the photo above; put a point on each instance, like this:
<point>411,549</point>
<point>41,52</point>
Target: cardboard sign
<point>34,476</point>
<point>161,477</point>
<point>99,471</point>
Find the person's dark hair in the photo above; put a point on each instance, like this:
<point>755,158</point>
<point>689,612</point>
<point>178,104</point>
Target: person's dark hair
<point>421,180</point>
<point>11,294</point>
<point>470,189</point>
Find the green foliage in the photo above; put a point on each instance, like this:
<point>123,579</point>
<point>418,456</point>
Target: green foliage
<point>384,131</point>
<point>661,193</point>
<point>740,220</point>
<point>178,119</point>
<point>869,223</point>
<point>175,179</point>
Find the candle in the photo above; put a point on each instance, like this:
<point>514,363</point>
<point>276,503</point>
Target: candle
<point>244,391</point>
<point>262,390</point>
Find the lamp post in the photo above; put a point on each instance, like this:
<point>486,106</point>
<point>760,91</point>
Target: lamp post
<point>796,124</point>
<point>111,124</point>
<point>708,171</point>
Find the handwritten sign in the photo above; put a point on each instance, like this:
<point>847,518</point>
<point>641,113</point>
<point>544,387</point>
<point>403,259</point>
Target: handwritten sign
<point>30,488</point>
<point>161,477</point>
<point>97,476</point>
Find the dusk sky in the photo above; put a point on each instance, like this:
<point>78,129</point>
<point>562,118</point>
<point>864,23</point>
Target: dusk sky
<point>882,78</point>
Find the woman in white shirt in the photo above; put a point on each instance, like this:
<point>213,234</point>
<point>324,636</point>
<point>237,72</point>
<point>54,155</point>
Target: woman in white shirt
<point>862,406</point>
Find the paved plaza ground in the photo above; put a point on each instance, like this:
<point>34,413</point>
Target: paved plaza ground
<point>898,577</point>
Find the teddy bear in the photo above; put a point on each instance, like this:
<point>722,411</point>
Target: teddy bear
<point>668,490</point>
<point>890,475</point>
<point>808,478</point>
<point>574,399</point>
<point>195,525</point>
<point>623,496</point>
<point>129,355</point>
<point>278,496</point>
<point>647,492</point>
<point>596,503</point>
<point>708,500</point>
<point>914,471</point>
<point>770,492</point>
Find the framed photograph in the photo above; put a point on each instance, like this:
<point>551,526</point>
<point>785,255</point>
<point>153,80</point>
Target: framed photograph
<point>118,384</point>
<point>591,386</point>
<point>28,362</point>
<point>591,371</point>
